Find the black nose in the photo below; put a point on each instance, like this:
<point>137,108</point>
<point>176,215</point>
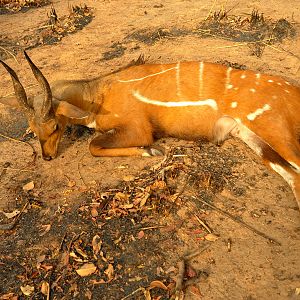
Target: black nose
<point>47,158</point>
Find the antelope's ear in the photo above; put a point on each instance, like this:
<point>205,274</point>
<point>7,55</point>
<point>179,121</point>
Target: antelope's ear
<point>68,110</point>
<point>10,101</point>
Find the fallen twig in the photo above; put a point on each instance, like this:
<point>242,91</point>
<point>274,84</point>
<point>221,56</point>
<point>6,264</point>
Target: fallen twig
<point>15,140</point>
<point>203,224</point>
<point>196,253</point>
<point>133,293</point>
<point>10,53</point>
<point>230,216</point>
<point>179,280</point>
<point>11,225</point>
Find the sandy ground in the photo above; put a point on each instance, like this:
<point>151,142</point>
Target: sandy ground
<point>255,268</point>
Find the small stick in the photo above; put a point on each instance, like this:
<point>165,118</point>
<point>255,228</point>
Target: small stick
<point>272,47</point>
<point>26,87</point>
<point>196,253</point>
<point>230,216</point>
<point>78,168</point>
<point>15,140</point>
<point>134,292</point>
<point>179,278</point>
<point>10,53</point>
<point>152,227</point>
<point>11,225</point>
<point>203,224</point>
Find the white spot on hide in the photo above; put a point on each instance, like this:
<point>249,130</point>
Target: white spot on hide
<point>258,112</point>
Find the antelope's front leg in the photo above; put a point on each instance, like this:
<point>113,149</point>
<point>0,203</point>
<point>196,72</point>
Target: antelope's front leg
<point>124,142</point>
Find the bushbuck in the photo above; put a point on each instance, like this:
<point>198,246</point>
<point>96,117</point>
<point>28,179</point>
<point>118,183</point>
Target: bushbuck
<point>185,100</point>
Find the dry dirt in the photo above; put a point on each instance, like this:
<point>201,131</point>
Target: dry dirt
<point>77,197</point>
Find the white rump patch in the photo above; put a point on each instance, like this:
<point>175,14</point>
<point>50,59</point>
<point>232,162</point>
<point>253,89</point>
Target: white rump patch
<point>233,104</point>
<point>257,75</point>
<point>279,83</point>
<point>151,75</point>
<point>286,175</point>
<point>286,82</point>
<point>208,102</point>
<point>229,86</point>
<point>243,76</point>
<point>270,80</point>
<point>287,91</point>
<point>258,112</point>
<point>92,125</point>
<point>252,90</point>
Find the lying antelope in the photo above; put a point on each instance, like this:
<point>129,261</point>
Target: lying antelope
<point>186,100</point>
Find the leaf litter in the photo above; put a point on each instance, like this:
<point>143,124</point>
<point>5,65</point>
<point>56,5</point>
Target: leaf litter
<point>110,249</point>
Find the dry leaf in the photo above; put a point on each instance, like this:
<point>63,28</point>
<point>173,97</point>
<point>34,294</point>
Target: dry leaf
<point>40,258</point>
<point>127,206</point>
<point>27,290</point>
<point>190,272</point>
<point>211,237</point>
<point>80,251</point>
<point>28,186</point>
<point>194,290</point>
<point>128,178</point>
<point>94,281</point>
<point>159,184</point>
<point>96,243</point>
<point>86,270</point>
<point>109,272</point>
<point>141,234</point>
<point>94,212</point>
<point>11,214</point>
<point>88,294</point>
<point>46,228</point>
<point>147,294</point>
<point>9,296</point>
<point>45,288</point>
<point>121,197</point>
<point>158,284</point>
<point>71,183</point>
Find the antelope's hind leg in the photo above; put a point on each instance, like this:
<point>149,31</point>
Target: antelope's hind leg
<point>123,142</point>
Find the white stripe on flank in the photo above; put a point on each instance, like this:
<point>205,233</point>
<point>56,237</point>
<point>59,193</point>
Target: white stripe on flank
<point>178,93</point>
<point>258,112</point>
<point>209,102</point>
<point>201,68</point>
<point>151,75</point>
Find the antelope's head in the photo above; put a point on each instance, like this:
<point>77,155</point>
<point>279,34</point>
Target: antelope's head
<point>45,117</point>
